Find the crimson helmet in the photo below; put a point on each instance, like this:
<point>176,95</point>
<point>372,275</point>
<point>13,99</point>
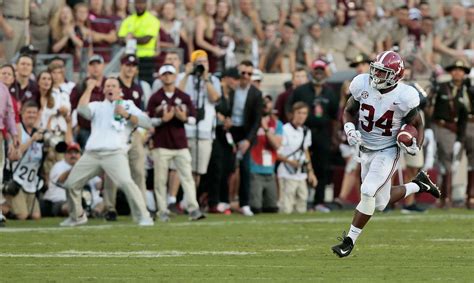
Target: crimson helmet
<point>386,70</point>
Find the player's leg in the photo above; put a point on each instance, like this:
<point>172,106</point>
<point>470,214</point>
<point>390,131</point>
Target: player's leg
<point>377,170</point>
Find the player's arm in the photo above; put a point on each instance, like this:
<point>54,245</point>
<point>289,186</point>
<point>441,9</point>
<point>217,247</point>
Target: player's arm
<point>414,118</point>
<point>351,111</point>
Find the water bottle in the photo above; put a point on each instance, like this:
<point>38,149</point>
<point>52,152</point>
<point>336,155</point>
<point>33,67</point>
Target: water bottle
<point>118,117</point>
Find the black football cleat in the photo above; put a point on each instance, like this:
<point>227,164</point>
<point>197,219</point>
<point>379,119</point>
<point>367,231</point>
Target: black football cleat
<point>345,248</point>
<point>426,185</point>
<point>2,221</point>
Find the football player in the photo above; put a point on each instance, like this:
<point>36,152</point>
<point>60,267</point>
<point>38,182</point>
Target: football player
<point>379,105</point>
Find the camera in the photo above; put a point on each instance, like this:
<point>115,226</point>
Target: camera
<point>198,70</point>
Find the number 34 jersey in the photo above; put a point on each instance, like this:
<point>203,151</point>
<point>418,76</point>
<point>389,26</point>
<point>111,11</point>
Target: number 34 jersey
<point>381,115</point>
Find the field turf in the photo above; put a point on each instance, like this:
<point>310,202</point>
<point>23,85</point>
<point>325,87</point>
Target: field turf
<point>437,246</point>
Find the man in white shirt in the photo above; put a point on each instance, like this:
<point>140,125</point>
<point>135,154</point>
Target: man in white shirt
<point>112,121</point>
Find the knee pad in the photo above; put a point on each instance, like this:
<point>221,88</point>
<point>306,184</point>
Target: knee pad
<point>366,205</point>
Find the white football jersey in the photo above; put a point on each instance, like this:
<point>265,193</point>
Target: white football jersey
<point>380,115</point>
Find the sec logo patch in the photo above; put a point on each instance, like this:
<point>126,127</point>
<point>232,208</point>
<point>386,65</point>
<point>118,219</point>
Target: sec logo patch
<point>365,94</point>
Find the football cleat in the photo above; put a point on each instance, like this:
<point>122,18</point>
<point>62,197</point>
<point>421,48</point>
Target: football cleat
<point>345,248</point>
<point>110,215</point>
<point>426,185</point>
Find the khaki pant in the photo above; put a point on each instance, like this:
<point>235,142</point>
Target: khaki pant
<point>445,140</point>
<point>182,159</point>
<point>25,204</point>
<point>294,195</point>
<point>200,157</point>
<point>136,160</point>
<point>20,30</point>
<point>115,164</point>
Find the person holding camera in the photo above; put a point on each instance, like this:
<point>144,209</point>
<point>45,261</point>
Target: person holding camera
<point>112,121</point>
<point>25,181</point>
<point>263,157</point>
<point>170,109</point>
<point>295,169</point>
<point>204,90</point>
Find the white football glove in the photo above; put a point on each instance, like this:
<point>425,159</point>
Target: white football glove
<point>412,149</point>
<point>353,136</point>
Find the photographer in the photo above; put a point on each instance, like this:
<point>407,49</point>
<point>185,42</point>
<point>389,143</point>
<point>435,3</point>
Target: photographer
<point>21,189</point>
<point>204,90</point>
<point>295,168</point>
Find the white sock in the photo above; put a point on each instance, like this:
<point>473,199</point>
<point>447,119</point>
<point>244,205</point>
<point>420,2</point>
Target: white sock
<point>171,199</point>
<point>411,188</point>
<point>354,233</point>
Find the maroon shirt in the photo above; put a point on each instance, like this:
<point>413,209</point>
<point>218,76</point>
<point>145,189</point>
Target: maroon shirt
<point>171,134</point>
<point>134,93</point>
<point>29,92</point>
<point>280,104</point>
<point>76,93</point>
<point>101,24</point>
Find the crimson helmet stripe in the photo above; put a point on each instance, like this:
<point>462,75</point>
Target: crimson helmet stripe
<point>383,55</point>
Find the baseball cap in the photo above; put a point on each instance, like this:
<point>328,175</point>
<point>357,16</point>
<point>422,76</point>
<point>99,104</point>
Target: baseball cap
<point>167,69</point>
<point>361,58</point>
<point>319,64</point>
<point>29,49</point>
<point>458,64</point>
<point>198,54</point>
<point>129,59</point>
<point>96,58</point>
<point>73,147</point>
<point>414,14</point>
<point>231,73</point>
<point>257,75</point>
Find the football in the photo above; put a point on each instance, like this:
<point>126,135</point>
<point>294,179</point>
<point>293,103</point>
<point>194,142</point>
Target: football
<point>406,134</point>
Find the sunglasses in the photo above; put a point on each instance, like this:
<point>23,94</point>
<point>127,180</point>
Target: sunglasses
<point>246,73</point>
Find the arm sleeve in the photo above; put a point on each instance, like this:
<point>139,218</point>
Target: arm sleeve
<point>88,111</point>
<point>409,101</point>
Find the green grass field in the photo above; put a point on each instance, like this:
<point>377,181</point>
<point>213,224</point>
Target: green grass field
<point>434,246</point>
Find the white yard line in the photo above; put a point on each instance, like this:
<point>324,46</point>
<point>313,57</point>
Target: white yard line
<point>344,219</point>
<point>135,254</point>
<point>452,240</point>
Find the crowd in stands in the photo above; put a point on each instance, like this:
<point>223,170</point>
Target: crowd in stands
<point>196,68</point>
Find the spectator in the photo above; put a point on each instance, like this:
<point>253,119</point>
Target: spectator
<point>222,34</point>
<point>270,36</point>
<point>14,16</point>
<point>206,34</point>
<point>171,58</point>
<point>25,171</point>
<point>256,78</point>
<point>40,14</point>
<point>398,28</point>
<point>26,84</point>
<point>360,40</point>
<point>223,148</point>
<point>299,77</point>
<point>83,32</point>
<point>323,13</point>
<point>112,123</point>
<point>246,104</point>
<point>132,92</point>
<point>103,29</point>
<point>281,56</point>
<point>295,169</point>
<point>335,41</point>
<point>65,37</point>
<point>54,200</point>
<point>61,86</point>
<point>187,14</point>
<point>308,11</point>
<point>8,78</point>
<point>171,108</point>
<point>448,119</point>
<point>204,90</point>
<point>245,27</point>
<point>323,103</point>
<point>172,33</point>
<point>263,157</point>
<point>427,41</point>
<point>142,27</point>
<point>311,46</point>
<point>96,73</point>
<point>119,11</point>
